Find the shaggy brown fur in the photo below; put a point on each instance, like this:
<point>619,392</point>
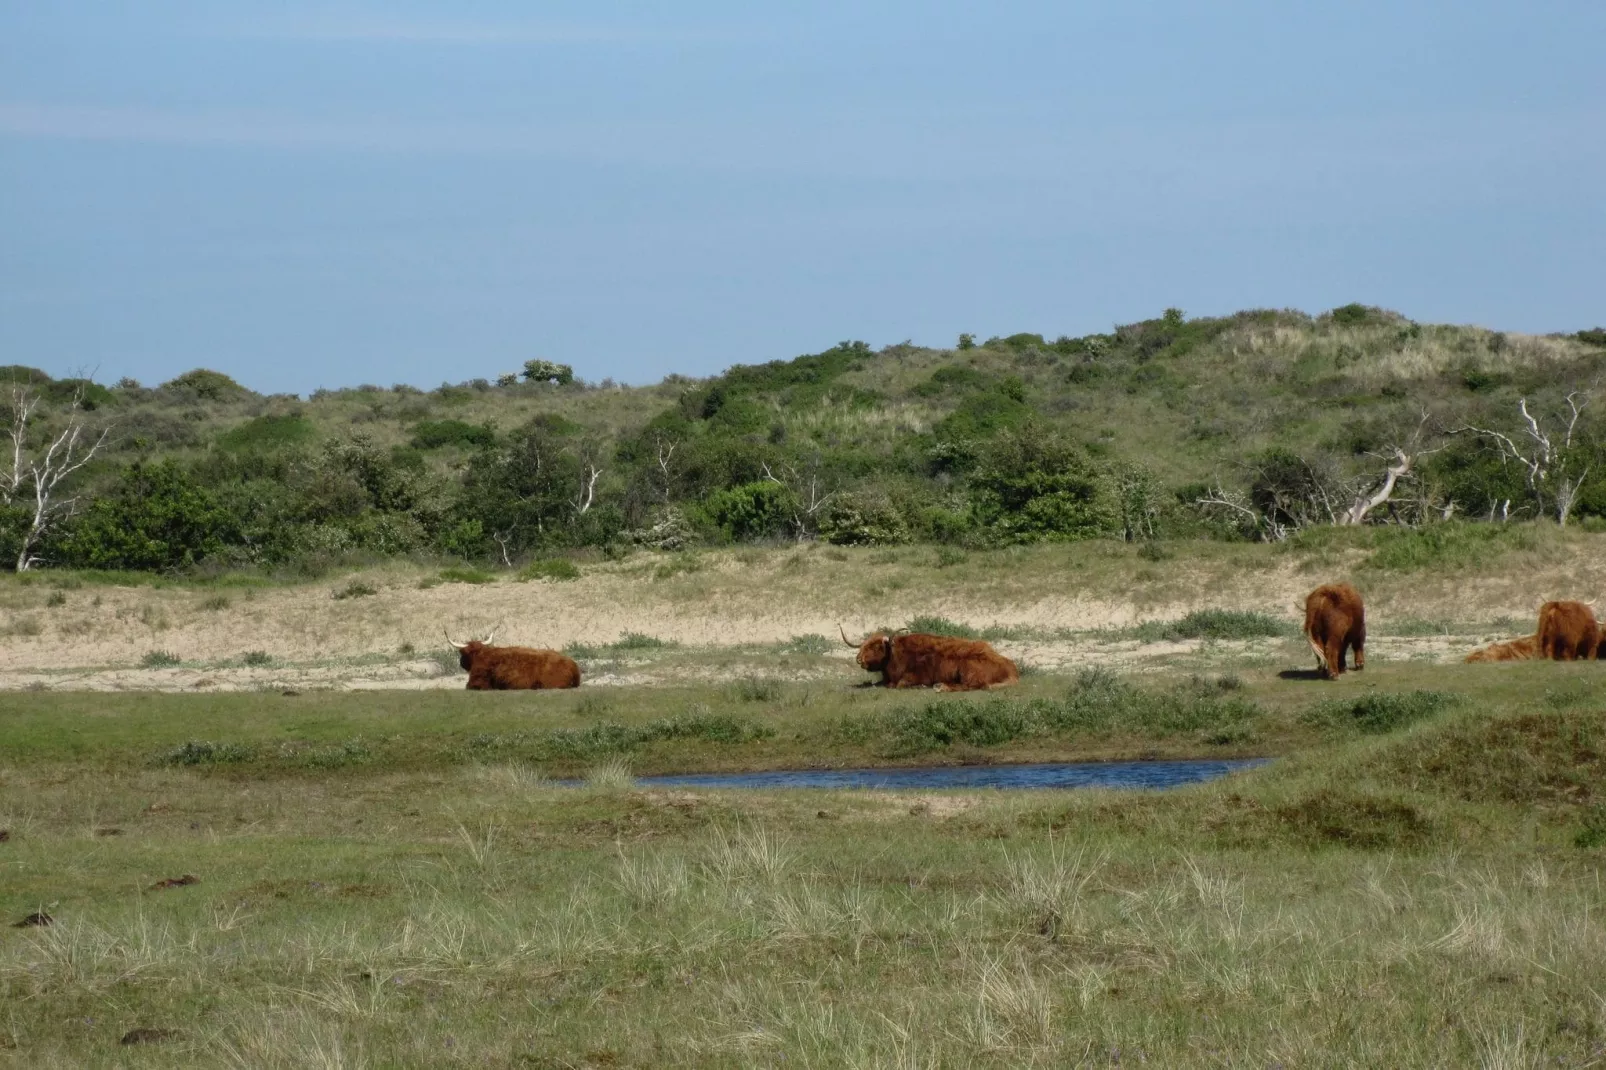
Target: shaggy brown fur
<point>1524,649</point>
<point>1567,631</point>
<point>516,668</point>
<point>1335,621</point>
<point>939,661</point>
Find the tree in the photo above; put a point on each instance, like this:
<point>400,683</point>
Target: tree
<point>31,489</point>
<point>546,371</point>
<point>1400,461</point>
<point>1555,460</point>
<point>157,517</point>
<point>1031,485</point>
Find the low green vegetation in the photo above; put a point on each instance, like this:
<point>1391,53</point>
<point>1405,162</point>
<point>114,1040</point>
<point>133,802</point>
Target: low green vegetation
<point>1216,624</point>
<point>1262,425</point>
<point>348,878</point>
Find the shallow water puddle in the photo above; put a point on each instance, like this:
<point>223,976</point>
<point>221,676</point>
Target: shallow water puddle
<point>1148,775</point>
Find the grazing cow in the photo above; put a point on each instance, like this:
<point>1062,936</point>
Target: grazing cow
<point>939,661</point>
<point>1335,621</point>
<point>514,668</point>
<point>1524,649</point>
<point>1567,631</point>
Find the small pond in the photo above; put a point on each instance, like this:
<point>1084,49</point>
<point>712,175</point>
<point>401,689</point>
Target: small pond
<point>1152,775</point>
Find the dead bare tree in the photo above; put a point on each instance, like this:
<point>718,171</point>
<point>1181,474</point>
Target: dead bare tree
<point>807,494</point>
<point>1553,463</point>
<point>590,455</point>
<point>34,480</point>
<point>1261,524</point>
<point>666,454</point>
<point>1400,462</point>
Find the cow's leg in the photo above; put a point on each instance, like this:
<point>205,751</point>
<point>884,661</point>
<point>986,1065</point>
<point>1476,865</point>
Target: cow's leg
<point>1335,657</point>
<point>1358,645</point>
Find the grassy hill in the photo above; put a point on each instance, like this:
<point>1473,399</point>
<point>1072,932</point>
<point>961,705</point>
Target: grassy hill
<point>1000,441</point>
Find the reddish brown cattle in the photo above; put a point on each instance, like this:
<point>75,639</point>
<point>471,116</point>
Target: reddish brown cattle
<point>514,668</point>
<point>1524,649</point>
<point>1335,621</point>
<point>1567,631</point>
<point>939,661</point>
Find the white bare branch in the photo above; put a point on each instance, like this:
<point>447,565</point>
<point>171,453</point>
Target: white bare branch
<point>39,475</point>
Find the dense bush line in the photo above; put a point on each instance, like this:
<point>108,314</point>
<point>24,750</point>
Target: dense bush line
<point>1264,425</point>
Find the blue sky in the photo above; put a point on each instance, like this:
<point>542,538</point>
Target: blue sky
<point>307,195</point>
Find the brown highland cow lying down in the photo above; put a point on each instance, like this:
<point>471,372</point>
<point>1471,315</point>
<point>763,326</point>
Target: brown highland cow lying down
<point>514,668</point>
<point>939,661</point>
<point>1567,632</point>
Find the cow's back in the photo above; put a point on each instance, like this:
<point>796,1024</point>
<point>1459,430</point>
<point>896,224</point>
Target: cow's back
<point>1568,631</point>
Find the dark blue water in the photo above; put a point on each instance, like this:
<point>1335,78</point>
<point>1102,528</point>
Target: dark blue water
<point>1150,775</point>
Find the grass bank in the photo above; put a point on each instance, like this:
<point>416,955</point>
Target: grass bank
<point>1415,882</point>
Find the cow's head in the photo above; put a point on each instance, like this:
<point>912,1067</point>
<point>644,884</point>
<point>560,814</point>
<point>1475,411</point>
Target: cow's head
<point>467,652</point>
<point>873,651</point>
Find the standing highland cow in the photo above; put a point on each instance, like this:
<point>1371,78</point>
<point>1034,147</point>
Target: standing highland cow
<point>1335,621</point>
<point>939,661</point>
<point>1568,631</point>
<point>514,668</point>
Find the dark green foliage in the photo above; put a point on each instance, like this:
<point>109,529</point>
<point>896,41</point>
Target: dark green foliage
<point>466,575</point>
<point>932,625</point>
<point>864,520</point>
<point>546,371</point>
<point>1098,703</point>
<point>355,589</point>
<point>155,517</point>
<point>205,385</point>
<point>750,511</point>
<point>1032,485</point>
<point>268,433</point>
<point>1358,315</point>
<point>1376,714</point>
<point>638,641</point>
<point>1592,831</point>
<point>435,434</point>
<point>256,658</point>
<point>22,375</point>
<point>1216,624</point>
<point>1326,817</point>
<point>85,393</point>
<point>159,659</point>
<point>1594,337</point>
<point>554,568</point>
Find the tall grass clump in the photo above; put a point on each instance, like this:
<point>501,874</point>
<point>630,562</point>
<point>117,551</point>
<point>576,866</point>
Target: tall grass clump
<point>613,774</point>
<point>1216,624</point>
<point>557,569</point>
<point>1098,703</point>
<point>1377,714</point>
<point>1445,547</point>
<point>159,659</point>
<point>934,625</point>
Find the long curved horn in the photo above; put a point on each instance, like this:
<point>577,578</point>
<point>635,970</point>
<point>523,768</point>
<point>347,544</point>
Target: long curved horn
<point>452,641</point>
<point>845,638</point>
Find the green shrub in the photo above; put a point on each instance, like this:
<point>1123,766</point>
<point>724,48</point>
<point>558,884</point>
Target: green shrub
<point>159,659</point>
<point>267,433</point>
<point>354,589</point>
<point>750,511</point>
<point>556,568</point>
<point>807,644</point>
<point>1592,832</point>
<point>466,575</point>
<point>933,625</point>
<point>1216,624</point>
<point>755,689</point>
<point>638,641</point>
<point>436,434</point>
<point>1380,713</point>
<point>1444,546</point>
<point>206,385</point>
<point>546,371</point>
<point>256,658</point>
<point>155,517</point>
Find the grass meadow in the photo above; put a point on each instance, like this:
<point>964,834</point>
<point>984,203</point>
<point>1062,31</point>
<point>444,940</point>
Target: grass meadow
<point>356,879</point>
